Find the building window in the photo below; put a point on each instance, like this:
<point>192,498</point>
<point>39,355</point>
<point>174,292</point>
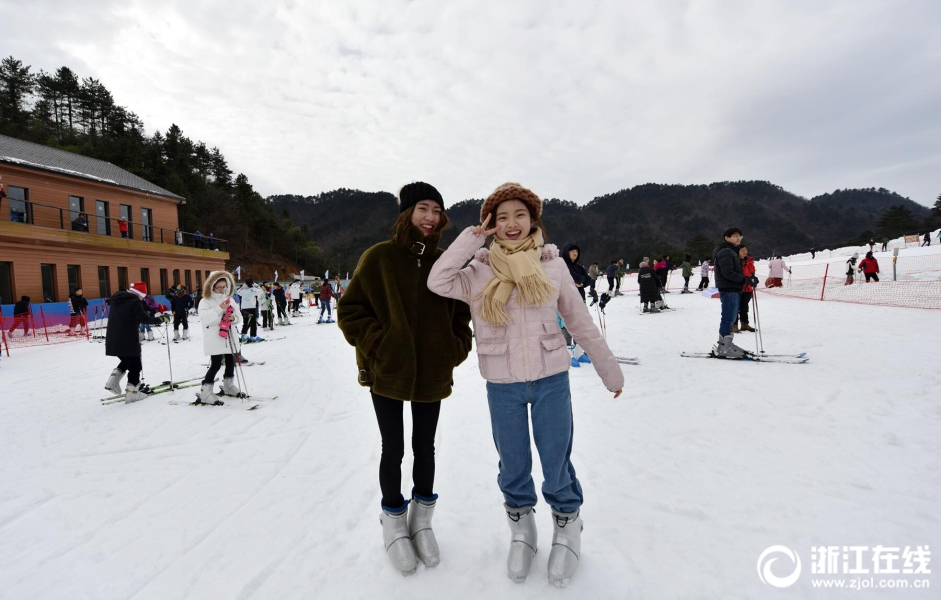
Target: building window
<point>122,278</point>
<point>48,282</point>
<point>207,274</point>
<point>164,286</point>
<point>104,282</point>
<point>199,280</point>
<point>146,220</point>
<point>127,214</point>
<point>102,214</point>
<point>19,207</point>
<point>6,283</point>
<point>145,277</point>
<point>75,277</point>
<point>76,207</point>
<point>176,277</point>
<point>189,281</point>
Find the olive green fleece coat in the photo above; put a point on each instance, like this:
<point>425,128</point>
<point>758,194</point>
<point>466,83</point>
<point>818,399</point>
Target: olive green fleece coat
<point>408,340</point>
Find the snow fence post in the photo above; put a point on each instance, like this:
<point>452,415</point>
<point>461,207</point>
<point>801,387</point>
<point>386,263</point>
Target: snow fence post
<point>824,287</point>
<point>42,317</point>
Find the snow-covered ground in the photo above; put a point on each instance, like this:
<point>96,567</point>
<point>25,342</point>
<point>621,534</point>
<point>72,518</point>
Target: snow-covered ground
<point>688,477</point>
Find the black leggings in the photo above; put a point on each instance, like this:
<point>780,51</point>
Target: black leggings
<point>215,362</point>
<point>424,424</point>
<point>704,282</point>
<point>743,303</point>
<point>178,318</point>
<point>871,275</point>
<point>250,321</point>
<point>281,307</point>
<point>266,319</point>
<point>133,366</point>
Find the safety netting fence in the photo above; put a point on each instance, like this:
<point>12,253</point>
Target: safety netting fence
<point>50,323</point>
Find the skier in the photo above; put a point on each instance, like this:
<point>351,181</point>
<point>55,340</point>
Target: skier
<point>649,285</point>
<point>869,267</point>
<point>180,304</point>
<point>265,304</point>
<point>146,331</point>
<point>248,294</point>
<point>687,273</point>
<point>281,302</point>
<point>326,296</point>
<point>570,255</point>
<point>776,272</point>
<point>748,290</point>
<point>122,341</point>
<point>621,272</point>
<point>872,243</point>
<point>295,298</point>
<point>851,269</point>
<point>21,315</point>
<point>221,315</point>
<point>78,306</point>
<point>611,274</point>
<point>704,275</point>
<point>885,244</point>
<point>593,274</point>
<point>813,253</point>
<point>665,273</point>
<point>660,270</point>
<point>927,241</point>
<point>408,342</point>
<point>729,280</point>
<point>520,283</point>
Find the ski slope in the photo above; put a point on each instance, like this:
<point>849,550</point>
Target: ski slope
<point>699,467</point>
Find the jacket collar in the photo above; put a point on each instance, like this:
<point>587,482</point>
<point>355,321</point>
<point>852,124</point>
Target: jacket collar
<point>418,244</point>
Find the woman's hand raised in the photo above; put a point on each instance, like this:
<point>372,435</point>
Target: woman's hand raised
<point>481,230</point>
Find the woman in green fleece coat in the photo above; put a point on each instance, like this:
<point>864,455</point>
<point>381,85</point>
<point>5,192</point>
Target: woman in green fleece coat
<point>408,341</point>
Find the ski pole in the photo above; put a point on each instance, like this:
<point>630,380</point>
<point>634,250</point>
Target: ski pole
<point>758,322</point>
<point>237,351</point>
<point>166,336</point>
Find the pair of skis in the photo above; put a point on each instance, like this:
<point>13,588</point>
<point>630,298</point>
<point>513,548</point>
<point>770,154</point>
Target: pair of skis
<point>792,359</point>
<point>161,388</point>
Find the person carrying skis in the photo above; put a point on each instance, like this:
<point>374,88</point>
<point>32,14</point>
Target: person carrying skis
<point>704,275</point>
<point>326,296</point>
<point>649,285</point>
<point>180,303</point>
<point>121,340</point>
<point>248,295</point>
<point>221,318</point>
<point>869,267</point>
<point>851,269</point>
<point>687,273</point>
<point>408,341</point>
<point>570,254</point>
<point>729,279</point>
<point>78,306</point>
<point>519,286</point>
<point>748,290</point>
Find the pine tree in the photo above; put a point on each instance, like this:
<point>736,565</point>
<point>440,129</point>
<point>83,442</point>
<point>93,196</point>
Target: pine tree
<point>700,247</point>
<point>898,221</point>
<point>16,85</point>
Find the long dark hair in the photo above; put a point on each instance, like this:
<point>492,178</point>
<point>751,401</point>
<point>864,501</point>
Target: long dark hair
<point>405,221</point>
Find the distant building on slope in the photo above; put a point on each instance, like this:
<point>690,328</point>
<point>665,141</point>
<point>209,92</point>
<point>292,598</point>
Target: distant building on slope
<point>72,221</point>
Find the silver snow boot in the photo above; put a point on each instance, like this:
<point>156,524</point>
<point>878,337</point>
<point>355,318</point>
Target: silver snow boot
<point>150,335</point>
<point>114,381</point>
<point>133,393</point>
<point>176,335</point>
<point>724,348</point>
<point>419,528</point>
<point>186,334</point>
<point>566,547</point>
<point>140,335</point>
<point>523,538</point>
<point>206,396</point>
<point>229,388</point>
<point>397,541</point>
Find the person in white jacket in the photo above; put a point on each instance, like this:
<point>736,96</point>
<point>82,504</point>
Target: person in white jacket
<point>296,296</point>
<point>249,293</point>
<point>776,274</point>
<point>220,318</point>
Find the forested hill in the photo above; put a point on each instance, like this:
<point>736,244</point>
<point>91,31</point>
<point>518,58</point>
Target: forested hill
<point>643,220</point>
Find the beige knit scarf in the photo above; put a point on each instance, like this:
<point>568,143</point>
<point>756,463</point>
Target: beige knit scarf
<point>515,264</point>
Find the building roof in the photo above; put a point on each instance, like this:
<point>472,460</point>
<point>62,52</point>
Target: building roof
<point>37,156</point>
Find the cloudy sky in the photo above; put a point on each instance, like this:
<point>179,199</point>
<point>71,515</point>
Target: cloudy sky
<point>573,99</point>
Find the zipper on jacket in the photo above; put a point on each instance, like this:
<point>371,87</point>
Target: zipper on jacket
<point>525,337</point>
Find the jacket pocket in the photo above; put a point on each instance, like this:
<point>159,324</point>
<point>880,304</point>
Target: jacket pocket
<point>555,357</point>
<point>494,361</point>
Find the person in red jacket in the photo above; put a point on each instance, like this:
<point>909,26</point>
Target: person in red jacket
<point>748,269</point>
<point>869,266</point>
<point>326,295</point>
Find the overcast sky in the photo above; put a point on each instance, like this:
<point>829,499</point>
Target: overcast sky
<point>572,99</point>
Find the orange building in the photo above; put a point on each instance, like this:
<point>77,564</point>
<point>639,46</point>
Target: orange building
<point>71,221</point>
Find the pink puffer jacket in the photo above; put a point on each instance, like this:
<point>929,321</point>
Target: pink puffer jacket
<point>531,346</point>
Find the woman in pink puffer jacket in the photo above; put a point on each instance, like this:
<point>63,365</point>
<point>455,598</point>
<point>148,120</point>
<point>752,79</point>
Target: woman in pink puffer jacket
<point>515,291</point>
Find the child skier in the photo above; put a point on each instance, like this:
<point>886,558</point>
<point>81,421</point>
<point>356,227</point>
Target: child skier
<point>649,284</point>
<point>121,340</point>
<point>516,291</point>
<point>220,315</point>
<point>704,275</point>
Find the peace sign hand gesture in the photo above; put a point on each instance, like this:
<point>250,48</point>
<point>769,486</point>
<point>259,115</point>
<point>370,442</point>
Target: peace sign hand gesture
<point>481,230</point>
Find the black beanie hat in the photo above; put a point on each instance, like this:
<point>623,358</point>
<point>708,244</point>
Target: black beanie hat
<point>413,193</point>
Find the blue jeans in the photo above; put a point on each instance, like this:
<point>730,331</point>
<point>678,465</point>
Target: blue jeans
<point>729,302</point>
<point>551,400</point>
<point>325,306</point>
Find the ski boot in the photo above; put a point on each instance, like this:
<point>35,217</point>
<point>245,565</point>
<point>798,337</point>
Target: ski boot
<point>205,395</point>
<point>724,348</point>
<point>134,393</point>
<point>114,381</point>
<point>566,547</point>
<point>523,538</point>
<point>419,528</point>
<point>229,388</point>
<point>257,339</point>
<point>176,335</point>
<point>329,320</point>
<point>320,321</point>
<point>397,541</point>
<point>150,335</point>
<point>186,334</point>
